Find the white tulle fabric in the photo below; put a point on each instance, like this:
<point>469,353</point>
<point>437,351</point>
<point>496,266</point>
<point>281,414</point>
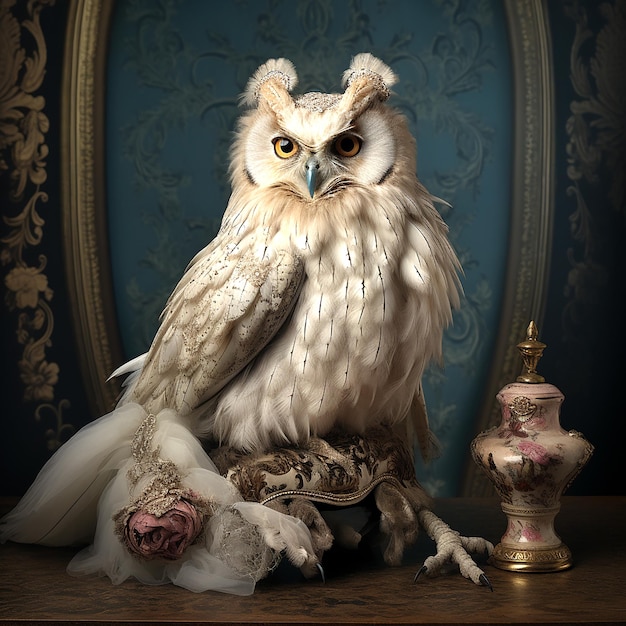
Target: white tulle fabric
<point>79,491</point>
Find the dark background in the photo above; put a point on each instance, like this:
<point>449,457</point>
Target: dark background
<point>583,324</point>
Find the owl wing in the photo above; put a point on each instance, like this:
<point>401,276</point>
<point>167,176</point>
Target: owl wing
<point>224,311</point>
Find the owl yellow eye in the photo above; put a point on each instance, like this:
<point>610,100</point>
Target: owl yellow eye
<point>347,145</point>
<point>284,147</point>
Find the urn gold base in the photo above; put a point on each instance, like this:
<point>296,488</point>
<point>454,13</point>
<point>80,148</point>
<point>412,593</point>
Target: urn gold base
<point>528,560</point>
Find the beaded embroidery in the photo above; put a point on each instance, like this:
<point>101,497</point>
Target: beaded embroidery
<point>285,79</point>
<point>164,486</point>
<point>317,101</point>
<point>372,77</point>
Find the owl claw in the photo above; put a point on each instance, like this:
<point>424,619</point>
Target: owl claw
<point>323,577</point>
<point>484,581</point>
<point>422,570</point>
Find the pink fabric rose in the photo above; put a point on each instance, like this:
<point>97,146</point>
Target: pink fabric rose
<point>535,452</point>
<point>166,536</point>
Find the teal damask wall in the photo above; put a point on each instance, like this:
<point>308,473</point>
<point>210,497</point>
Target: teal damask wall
<point>175,71</point>
<point>44,395</point>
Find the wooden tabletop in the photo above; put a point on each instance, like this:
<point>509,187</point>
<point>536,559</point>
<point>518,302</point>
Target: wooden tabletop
<point>34,586</point>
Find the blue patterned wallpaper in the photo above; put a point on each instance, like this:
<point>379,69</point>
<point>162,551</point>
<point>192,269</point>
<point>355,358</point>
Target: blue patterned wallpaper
<point>176,69</point>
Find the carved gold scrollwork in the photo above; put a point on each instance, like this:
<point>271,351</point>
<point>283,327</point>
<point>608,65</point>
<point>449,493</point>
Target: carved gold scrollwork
<point>522,408</point>
<point>23,153</point>
<point>83,198</point>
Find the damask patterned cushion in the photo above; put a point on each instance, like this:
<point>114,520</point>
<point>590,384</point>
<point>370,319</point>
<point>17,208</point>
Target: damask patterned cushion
<point>338,470</point>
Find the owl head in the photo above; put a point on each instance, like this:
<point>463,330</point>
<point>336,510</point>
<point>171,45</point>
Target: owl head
<point>319,146</point>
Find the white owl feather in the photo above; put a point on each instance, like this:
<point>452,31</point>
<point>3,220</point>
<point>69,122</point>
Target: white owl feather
<point>318,304</point>
<point>316,307</point>
<point>281,69</point>
<point>366,63</point>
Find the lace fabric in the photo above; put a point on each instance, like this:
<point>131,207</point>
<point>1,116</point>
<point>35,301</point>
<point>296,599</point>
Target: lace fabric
<point>128,460</point>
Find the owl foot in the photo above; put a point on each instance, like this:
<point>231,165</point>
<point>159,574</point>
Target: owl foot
<point>302,558</point>
<point>398,522</point>
<point>277,535</point>
<point>308,513</point>
<point>321,534</point>
<point>452,548</point>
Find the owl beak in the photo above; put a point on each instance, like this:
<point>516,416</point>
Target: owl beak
<point>312,166</point>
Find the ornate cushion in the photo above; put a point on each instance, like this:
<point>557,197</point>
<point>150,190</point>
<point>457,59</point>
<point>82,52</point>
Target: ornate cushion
<point>342,470</point>
<point>339,470</point>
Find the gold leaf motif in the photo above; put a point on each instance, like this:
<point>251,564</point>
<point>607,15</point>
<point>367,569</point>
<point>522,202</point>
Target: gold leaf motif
<point>61,431</point>
<point>23,154</point>
<point>522,408</point>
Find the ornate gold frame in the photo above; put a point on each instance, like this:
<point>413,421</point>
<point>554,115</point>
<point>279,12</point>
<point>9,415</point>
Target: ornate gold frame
<point>85,234</point>
<point>84,201</point>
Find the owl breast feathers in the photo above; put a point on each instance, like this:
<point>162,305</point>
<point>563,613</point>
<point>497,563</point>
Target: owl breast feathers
<point>327,289</point>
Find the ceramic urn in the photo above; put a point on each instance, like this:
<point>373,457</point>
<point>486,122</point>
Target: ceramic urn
<point>531,460</point>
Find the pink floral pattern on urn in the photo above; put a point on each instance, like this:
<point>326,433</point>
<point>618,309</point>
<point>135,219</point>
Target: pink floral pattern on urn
<point>531,460</point>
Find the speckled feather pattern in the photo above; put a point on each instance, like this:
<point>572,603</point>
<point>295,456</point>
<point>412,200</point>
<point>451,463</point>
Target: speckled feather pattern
<point>308,313</point>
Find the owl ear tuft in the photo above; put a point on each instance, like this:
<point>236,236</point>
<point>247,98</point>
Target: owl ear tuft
<point>272,81</point>
<point>367,65</point>
<point>367,79</point>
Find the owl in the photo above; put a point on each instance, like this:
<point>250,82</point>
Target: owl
<point>328,286</point>
<point>315,308</point>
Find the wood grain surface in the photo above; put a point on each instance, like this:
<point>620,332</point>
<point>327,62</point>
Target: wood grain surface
<point>359,589</point>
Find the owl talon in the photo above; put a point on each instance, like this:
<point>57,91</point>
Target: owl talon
<point>420,571</point>
<point>323,577</point>
<point>484,581</point>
